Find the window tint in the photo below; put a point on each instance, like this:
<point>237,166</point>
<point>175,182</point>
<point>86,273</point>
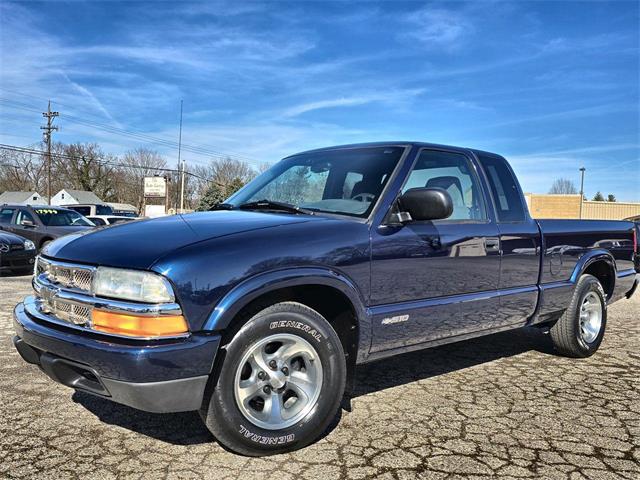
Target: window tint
<point>82,210</point>
<point>5,215</point>
<point>504,189</point>
<point>103,210</point>
<point>97,221</point>
<point>452,172</point>
<point>23,215</point>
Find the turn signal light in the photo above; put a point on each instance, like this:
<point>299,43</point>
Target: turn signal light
<point>137,325</point>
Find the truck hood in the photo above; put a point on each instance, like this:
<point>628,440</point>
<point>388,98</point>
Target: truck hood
<point>140,244</point>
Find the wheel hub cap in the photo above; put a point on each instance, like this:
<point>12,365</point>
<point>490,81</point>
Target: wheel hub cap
<point>278,381</point>
<point>590,317</point>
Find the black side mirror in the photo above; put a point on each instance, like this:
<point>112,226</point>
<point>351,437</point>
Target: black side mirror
<point>426,204</point>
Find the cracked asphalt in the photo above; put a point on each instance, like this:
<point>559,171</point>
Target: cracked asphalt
<point>500,406</point>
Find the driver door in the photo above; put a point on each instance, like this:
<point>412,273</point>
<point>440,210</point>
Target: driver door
<point>24,224</point>
<point>436,279</point>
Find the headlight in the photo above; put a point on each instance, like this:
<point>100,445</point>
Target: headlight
<point>133,285</point>
<point>29,245</point>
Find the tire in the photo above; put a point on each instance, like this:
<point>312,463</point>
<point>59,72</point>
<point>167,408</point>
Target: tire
<point>296,337</point>
<point>579,336</point>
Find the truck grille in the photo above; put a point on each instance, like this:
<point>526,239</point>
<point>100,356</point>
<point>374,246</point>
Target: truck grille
<point>68,276</point>
<point>70,312</point>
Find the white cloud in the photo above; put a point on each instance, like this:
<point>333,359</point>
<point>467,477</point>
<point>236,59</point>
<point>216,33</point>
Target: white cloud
<point>436,27</point>
<point>391,97</point>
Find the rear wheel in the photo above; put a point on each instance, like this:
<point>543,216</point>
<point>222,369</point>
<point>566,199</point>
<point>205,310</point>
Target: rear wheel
<point>281,382</point>
<point>579,332</point>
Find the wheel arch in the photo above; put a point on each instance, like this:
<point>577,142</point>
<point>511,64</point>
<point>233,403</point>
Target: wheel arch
<point>600,264</point>
<point>330,293</point>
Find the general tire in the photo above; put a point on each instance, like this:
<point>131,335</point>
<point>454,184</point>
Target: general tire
<point>232,428</point>
<point>566,334</point>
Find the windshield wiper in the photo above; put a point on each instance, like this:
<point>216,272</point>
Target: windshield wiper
<point>222,206</point>
<point>273,205</point>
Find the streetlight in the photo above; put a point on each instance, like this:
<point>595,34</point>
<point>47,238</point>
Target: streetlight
<point>582,169</point>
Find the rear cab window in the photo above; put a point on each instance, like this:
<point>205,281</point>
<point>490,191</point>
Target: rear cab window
<point>504,189</point>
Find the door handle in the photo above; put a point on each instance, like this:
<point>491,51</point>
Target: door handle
<point>492,245</point>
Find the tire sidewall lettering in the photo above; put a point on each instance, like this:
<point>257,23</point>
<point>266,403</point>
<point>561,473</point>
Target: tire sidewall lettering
<point>314,333</point>
<point>264,439</point>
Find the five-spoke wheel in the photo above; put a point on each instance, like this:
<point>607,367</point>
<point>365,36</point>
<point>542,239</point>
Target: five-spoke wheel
<point>278,381</point>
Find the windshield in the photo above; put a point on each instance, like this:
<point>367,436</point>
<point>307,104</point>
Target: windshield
<point>344,181</point>
<point>52,217</point>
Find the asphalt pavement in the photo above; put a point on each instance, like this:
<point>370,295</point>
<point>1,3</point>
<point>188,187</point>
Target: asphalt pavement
<point>499,406</point>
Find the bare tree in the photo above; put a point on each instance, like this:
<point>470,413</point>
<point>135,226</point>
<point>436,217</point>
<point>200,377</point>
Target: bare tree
<point>137,164</point>
<point>22,172</point>
<point>228,170</point>
<point>563,186</point>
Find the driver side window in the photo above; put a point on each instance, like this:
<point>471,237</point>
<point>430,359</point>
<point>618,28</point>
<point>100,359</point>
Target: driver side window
<point>22,216</point>
<point>453,173</point>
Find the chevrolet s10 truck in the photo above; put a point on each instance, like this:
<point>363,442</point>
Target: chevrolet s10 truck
<point>258,313</point>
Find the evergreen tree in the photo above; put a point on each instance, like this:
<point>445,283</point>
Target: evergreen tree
<point>598,197</point>
<point>213,196</point>
<point>611,197</point>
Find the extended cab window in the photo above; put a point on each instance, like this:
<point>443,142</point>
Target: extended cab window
<point>451,172</point>
<point>504,189</point>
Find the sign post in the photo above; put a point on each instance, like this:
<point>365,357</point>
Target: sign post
<point>155,188</point>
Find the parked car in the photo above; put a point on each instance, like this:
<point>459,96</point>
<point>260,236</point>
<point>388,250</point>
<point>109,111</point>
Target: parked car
<point>257,314</point>
<point>90,209</point>
<point>17,254</point>
<point>41,224</point>
<point>104,220</point>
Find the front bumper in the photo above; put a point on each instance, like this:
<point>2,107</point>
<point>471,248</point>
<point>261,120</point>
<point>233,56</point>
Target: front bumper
<point>17,260</point>
<point>161,376</point>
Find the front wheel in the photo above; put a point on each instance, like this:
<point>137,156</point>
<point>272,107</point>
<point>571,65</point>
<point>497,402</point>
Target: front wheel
<point>579,332</point>
<point>281,382</point>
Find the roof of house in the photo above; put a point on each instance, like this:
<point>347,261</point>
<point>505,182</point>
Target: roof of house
<point>82,196</point>
<point>16,197</point>
<point>122,206</point>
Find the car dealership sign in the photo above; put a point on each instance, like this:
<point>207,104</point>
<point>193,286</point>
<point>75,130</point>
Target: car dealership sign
<point>155,187</point>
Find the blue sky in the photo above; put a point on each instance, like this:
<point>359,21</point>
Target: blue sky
<point>551,85</point>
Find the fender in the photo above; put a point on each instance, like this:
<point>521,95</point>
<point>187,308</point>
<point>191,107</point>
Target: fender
<point>254,287</point>
<point>590,257</point>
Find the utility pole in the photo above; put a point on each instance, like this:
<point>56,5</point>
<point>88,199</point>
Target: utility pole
<point>48,129</point>
<point>179,152</point>
<point>182,187</point>
<point>582,169</point>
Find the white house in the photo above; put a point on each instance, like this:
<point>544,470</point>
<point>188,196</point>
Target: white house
<point>74,197</point>
<point>22,198</point>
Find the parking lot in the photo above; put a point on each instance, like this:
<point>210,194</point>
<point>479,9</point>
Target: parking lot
<point>502,405</point>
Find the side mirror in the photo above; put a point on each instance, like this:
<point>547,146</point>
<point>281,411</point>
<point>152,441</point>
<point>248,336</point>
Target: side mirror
<point>426,204</point>
<point>27,223</point>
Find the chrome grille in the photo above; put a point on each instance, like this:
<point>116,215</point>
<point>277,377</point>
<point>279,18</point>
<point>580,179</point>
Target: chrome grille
<point>70,312</point>
<point>69,276</point>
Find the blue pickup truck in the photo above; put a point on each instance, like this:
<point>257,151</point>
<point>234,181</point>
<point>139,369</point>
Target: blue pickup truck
<point>256,314</point>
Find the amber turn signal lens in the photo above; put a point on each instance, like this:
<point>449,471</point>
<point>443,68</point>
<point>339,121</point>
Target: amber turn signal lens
<point>137,325</point>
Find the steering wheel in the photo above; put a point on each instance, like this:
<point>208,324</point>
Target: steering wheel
<point>364,197</point>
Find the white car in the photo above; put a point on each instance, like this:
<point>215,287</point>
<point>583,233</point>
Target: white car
<point>105,220</point>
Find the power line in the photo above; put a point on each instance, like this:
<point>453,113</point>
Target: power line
<point>204,150</point>
<point>33,151</point>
